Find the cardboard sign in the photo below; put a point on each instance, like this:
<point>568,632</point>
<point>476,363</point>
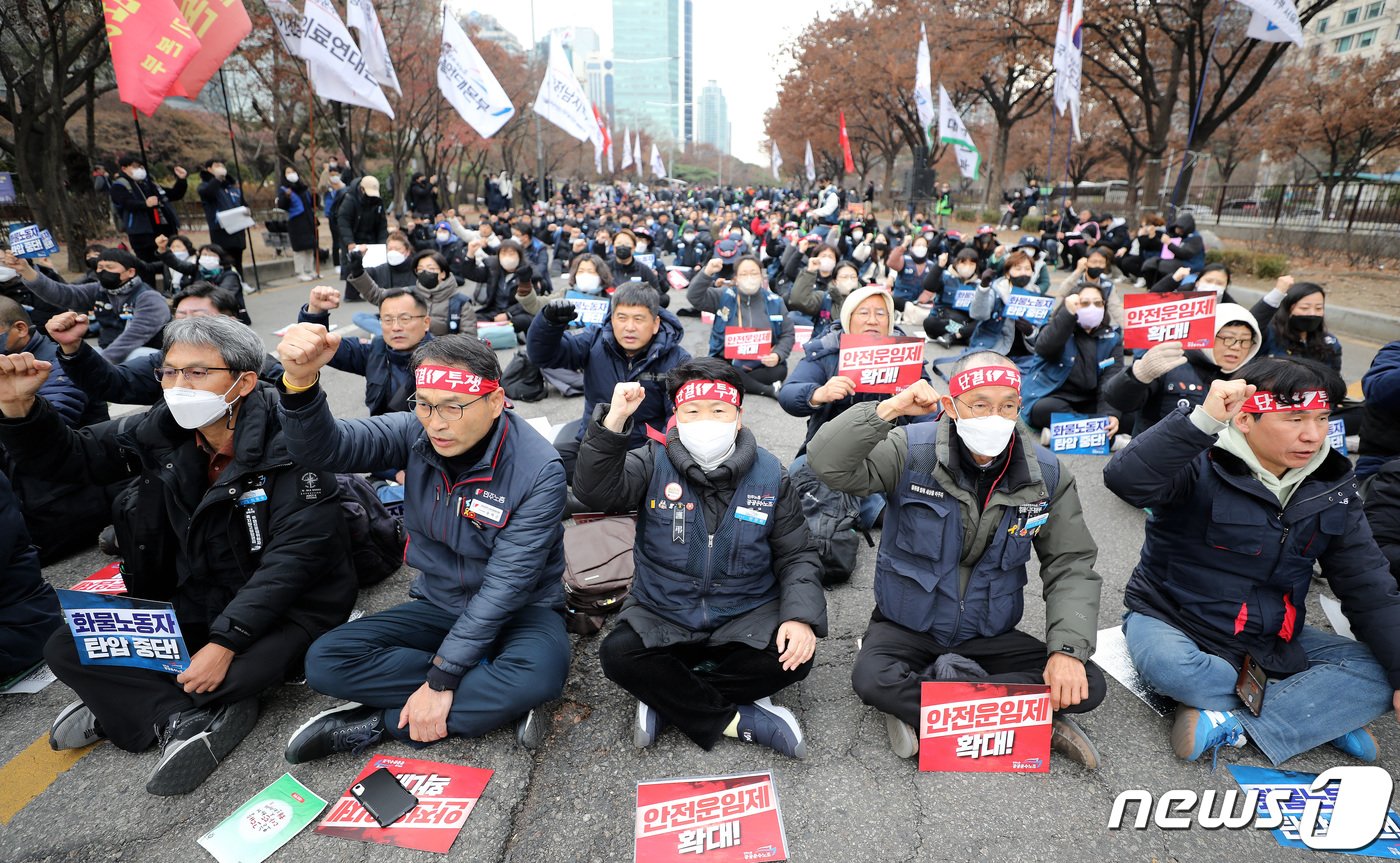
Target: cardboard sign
<point>984,728</point>
<point>743,343</point>
<point>707,318</point>
<point>1187,317</point>
<point>1031,307</point>
<point>31,241</point>
<point>1078,434</point>
<point>1337,435</point>
<point>265,823</point>
<point>28,682</point>
<point>677,279</point>
<point>592,310</point>
<point>107,580</point>
<point>801,335</point>
<point>447,794</point>
<point>881,364</point>
<point>646,259</point>
<point>963,299</point>
<point>120,630</point>
<point>724,819</point>
<point>7,188</point>
<point>1287,835</point>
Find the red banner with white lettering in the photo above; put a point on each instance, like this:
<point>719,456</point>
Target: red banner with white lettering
<point>742,343</point>
<point>722,819</point>
<point>881,364</point>
<point>846,146</point>
<point>216,42</point>
<point>152,43</point>
<point>984,727</point>
<point>1151,319</point>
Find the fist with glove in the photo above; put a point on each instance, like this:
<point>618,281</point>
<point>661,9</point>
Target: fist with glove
<point>559,312</point>
<point>1159,360</point>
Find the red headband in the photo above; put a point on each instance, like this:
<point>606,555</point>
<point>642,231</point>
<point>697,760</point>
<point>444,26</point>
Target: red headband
<point>453,380</point>
<point>709,391</point>
<point>987,376</point>
<point>1268,403</point>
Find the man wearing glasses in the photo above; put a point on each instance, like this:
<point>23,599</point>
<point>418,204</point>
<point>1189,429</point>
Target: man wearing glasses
<point>970,496</point>
<point>481,642</point>
<point>384,362</point>
<point>248,544</point>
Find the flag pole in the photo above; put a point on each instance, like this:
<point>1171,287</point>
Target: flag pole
<point>1200,97</point>
<point>141,144</point>
<point>1050,158</point>
<point>228,118</point>
<point>311,151</point>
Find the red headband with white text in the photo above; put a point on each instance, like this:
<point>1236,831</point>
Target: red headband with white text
<point>707,391</point>
<point>987,376</point>
<point>453,380</point>
<point>1268,403</point>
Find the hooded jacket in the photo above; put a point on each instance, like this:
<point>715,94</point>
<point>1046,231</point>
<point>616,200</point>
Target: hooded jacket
<point>141,312</point>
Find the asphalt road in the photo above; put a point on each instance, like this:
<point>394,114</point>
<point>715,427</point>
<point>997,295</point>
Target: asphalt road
<point>572,799</point>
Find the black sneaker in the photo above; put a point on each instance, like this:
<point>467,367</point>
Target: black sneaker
<point>351,727</point>
<point>107,542</point>
<point>193,742</point>
<point>773,726</point>
<point>529,730</point>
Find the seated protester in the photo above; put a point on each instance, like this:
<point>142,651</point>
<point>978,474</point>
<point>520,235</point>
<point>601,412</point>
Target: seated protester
<point>989,250</point>
<point>1167,377</point>
<point>1040,268</point>
<point>137,381</point>
<point>536,252</point>
<point>21,337</point>
<point>1380,418</point>
<point>646,246</point>
<point>815,390</point>
<point>396,273</point>
<point>1293,318</point>
<point>1382,506</point>
<point>821,308</point>
<point>1081,239</point>
<point>131,312</point>
<point>483,511</point>
<point>1212,277</point>
<point>589,274</point>
<point>911,269</point>
<point>876,270</point>
<point>1183,246</point>
<point>449,308</point>
<point>29,611</point>
<point>453,241</point>
<point>1140,258</point>
<point>993,331</point>
<point>1092,271</point>
<point>502,276</point>
<point>639,343</point>
<point>948,611</point>
<point>212,264</point>
<point>1246,497</point>
<point>1076,354</point>
<point>625,267</point>
<point>421,232</point>
<point>184,250</point>
<point>386,362</point>
<point>691,249</point>
<point>796,258</point>
<point>947,324</point>
<point>751,305</point>
<point>708,632</point>
<point>1113,233</point>
<point>257,572</point>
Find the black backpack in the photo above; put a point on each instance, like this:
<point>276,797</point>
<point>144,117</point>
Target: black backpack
<point>522,380</point>
<point>833,518</point>
<point>376,536</point>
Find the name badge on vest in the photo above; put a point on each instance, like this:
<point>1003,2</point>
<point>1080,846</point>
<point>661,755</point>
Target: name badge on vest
<point>482,511</point>
<point>678,525</point>
<point>753,516</point>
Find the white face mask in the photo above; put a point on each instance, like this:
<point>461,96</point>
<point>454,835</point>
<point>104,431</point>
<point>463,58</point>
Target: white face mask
<point>193,409</point>
<point>709,442</point>
<point>749,285</point>
<point>181,256</point>
<point>219,172</point>
<point>642,248</point>
<point>1219,288</point>
<point>588,283</point>
<point>825,266</point>
<point>395,258</point>
<point>984,436</point>
<point>443,238</point>
<point>292,177</point>
<point>493,242</point>
<point>208,263</point>
<point>138,174</point>
<point>689,238</point>
<point>7,274</point>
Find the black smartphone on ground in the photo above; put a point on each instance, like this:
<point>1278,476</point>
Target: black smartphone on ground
<point>384,798</point>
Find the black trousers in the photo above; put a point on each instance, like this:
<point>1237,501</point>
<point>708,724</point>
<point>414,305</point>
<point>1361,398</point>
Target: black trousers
<point>694,687</point>
<point>130,702</point>
<point>566,443</point>
<point>759,381</point>
<point>1054,404</point>
<point>894,662</point>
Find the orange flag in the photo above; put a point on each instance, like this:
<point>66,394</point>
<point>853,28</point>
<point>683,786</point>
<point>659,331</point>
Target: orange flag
<point>152,43</point>
<point>219,25</point>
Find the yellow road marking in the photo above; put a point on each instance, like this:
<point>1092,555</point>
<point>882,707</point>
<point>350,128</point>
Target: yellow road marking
<point>25,776</point>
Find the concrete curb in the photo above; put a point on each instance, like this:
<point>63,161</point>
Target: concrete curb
<point>1356,323</point>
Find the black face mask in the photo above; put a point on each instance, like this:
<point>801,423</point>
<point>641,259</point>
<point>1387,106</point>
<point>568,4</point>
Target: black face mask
<point>623,252</point>
<point>1306,323</point>
<point>428,279</point>
<point>1020,281</point>
<point>113,281</point>
<point>92,263</point>
<point>1093,272</point>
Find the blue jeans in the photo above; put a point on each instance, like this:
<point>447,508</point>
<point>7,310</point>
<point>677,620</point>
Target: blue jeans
<point>381,659</point>
<point>870,506</point>
<point>369,322</point>
<point>1342,689</point>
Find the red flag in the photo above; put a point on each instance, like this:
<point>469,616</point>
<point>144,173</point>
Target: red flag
<point>846,146</point>
<point>217,42</point>
<point>151,45</point>
<point>607,135</point>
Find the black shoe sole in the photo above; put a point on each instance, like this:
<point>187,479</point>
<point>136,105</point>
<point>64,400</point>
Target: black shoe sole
<point>186,768</point>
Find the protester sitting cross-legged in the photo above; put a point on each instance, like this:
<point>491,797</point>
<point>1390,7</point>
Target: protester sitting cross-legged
<point>386,362</point>
<point>947,610</point>
<point>246,540</point>
<point>482,641</point>
<point>1247,496</point>
<point>727,604</point>
<point>747,303</point>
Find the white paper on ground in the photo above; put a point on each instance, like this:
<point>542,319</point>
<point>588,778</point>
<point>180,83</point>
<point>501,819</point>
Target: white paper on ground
<point>1333,609</point>
<point>1111,654</point>
<point>32,681</point>
<point>545,428</point>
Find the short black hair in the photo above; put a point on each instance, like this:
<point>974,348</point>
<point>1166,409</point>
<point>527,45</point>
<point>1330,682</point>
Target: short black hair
<point>94,249</point>
<point>209,163</point>
<point>437,257</point>
<point>1104,252</point>
<point>703,369</point>
<point>637,294</point>
<point>123,257</point>
<point>225,260</point>
<point>418,301</point>
<point>225,302</point>
<point>1216,267</point>
<point>459,351</point>
<point>1288,377</point>
<point>126,159</point>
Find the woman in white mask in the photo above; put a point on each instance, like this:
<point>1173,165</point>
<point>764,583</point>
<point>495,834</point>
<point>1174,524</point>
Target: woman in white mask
<point>751,327</point>
<point>589,274</point>
<point>1076,354</point>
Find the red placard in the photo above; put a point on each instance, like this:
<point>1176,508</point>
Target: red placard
<point>984,728</point>
<point>677,280</point>
<point>881,364</point>
<point>742,343</point>
<point>447,794</point>
<point>723,819</point>
<point>801,335</point>
<point>107,580</point>
<point>1187,317</point>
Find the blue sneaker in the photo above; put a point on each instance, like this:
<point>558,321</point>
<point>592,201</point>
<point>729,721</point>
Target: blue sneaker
<point>1195,731</point>
<point>1359,744</point>
<point>773,726</point>
<point>647,725</point>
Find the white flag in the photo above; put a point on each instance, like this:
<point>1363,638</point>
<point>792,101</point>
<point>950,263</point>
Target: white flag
<point>360,15</point>
<point>288,22</point>
<point>811,165</point>
<point>1264,30</point>
<point>952,131</point>
<point>1283,14</point>
<point>343,76</point>
<point>658,167</point>
<point>637,153</point>
<point>563,102</point>
<point>923,88</point>
<point>612,147</point>
<point>777,160</point>
<point>467,83</point>
<point>1069,60</point>
<point>626,149</point>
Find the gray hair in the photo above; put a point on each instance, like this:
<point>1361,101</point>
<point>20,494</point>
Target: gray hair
<point>242,349</point>
<point>981,359</point>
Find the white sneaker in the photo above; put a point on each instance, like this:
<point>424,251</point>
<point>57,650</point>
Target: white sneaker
<point>1140,283</point>
<point>903,741</point>
<point>1045,437</point>
<point>306,277</point>
<point>74,728</point>
<point>1120,441</point>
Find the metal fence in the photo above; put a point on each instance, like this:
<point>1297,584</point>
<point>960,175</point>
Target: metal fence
<point>1352,205</point>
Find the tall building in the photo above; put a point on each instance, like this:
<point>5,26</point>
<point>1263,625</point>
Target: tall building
<point>714,118</point>
<point>1361,28</point>
<point>578,43</point>
<point>652,87</point>
<point>599,69</point>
